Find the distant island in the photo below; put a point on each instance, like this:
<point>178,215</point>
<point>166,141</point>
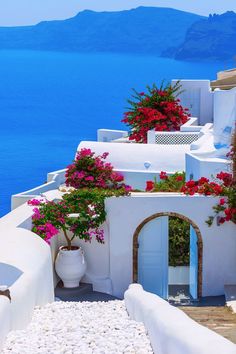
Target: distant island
<point>144,30</point>
<point>212,38</point>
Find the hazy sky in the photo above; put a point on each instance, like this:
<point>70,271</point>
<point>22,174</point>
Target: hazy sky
<point>25,12</point>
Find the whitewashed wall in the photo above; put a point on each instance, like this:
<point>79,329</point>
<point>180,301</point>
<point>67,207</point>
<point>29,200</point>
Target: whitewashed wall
<point>200,165</point>
<point>224,113</point>
<point>130,159</point>
<point>219,242</point>
<point>198,97</point>
<point>107,135</point>
<point>97,258</point>
<point>204,159</point>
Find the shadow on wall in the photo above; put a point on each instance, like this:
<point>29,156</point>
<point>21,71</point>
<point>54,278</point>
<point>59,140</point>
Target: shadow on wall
<point>9,274</point>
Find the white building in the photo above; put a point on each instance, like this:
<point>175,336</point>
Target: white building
<point>136,229</point>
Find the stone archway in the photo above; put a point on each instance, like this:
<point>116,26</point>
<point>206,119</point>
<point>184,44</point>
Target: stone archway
<point>157,215</point>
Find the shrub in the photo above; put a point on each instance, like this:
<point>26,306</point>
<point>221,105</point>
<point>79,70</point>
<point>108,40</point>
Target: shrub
<point>172,183</point>
<point>78,214</point>
<point>90,171</point>
<point>158,109</point>
<point>179,242</point>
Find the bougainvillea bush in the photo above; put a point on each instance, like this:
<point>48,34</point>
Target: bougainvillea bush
<point>91,171</point>
<point>224,186</point>
<point>157,109</point>
<point>167,183</point>
<point>78,214</point>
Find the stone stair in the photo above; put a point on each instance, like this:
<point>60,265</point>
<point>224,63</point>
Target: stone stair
<point>82,293</point>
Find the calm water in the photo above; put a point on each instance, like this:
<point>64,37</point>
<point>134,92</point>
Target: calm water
<point>49,102</point>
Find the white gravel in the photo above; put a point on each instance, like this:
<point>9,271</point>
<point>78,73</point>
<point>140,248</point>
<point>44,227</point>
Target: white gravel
<point>80,328</point>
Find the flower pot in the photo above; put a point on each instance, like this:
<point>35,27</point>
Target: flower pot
<point>70,266</point>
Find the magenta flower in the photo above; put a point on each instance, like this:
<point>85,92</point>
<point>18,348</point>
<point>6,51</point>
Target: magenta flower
<point>33,202</point>
<point>89,178</point>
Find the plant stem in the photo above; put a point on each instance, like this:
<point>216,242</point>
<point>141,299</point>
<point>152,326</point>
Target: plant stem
<point>67,239</point>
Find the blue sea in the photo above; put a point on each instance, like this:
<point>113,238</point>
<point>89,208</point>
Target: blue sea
<point>50,101</point>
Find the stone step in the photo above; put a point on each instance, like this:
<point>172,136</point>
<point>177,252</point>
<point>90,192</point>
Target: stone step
<point>75,293</point>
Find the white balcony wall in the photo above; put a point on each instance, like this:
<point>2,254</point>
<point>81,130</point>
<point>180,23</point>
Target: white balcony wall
<point>224,115</point>
<point>107,135</point>
<point>198,98</point>
<point>141,162</point>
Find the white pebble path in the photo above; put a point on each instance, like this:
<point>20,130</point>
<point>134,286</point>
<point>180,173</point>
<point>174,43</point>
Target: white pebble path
<point>80,328</point>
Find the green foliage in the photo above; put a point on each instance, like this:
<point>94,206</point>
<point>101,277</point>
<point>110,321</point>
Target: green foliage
<point>78,214</point>
<point>179,242</point>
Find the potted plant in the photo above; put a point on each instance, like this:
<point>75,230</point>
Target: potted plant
<point>78,214</point>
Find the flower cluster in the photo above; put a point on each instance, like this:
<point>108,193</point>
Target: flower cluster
<point>80,213</point>
<point>172,183</point>
<point>225,210</point>
<point>202,186</point>
<point>157,109</point>
<point>224,186</point>
<point>90,171</point>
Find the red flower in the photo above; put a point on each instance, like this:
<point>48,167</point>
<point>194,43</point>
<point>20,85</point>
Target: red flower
<point>222,201</point>
<point>227,178</point>
<point>179,178</point>
<point>163,175</point>
<point>190,184</point>
<point>149,186</point>
<point>203,180</point>
<point>221,220</point>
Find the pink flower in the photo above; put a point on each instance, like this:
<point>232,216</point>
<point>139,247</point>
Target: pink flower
<point>117,177</point>
<point>128,188</point>
<point>80,174</point>
<point>89,178</point>
<point>85,152</point>
<point>105,154</point>
<point>33,202</point>
<point>37,215</point>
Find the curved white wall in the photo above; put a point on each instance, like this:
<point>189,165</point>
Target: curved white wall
<point>26,268</point>
<point>170,330</point>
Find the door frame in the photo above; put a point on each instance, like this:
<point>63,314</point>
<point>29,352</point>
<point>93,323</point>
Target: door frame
<point>199,242</point>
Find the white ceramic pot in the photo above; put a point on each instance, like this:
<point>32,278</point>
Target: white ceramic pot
<point>70,266</point>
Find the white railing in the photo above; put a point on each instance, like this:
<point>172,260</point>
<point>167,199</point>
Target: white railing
<point>54,180</point>
<point>108,135</point>
<point>191,126</point>
<point>188,134</point>
<point>172,138</point>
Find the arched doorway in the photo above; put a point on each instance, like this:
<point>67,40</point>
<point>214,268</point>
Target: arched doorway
<point>196,237</point>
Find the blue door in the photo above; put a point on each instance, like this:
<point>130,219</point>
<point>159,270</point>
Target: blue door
<point>193,275</point>
<point>153,257</point>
